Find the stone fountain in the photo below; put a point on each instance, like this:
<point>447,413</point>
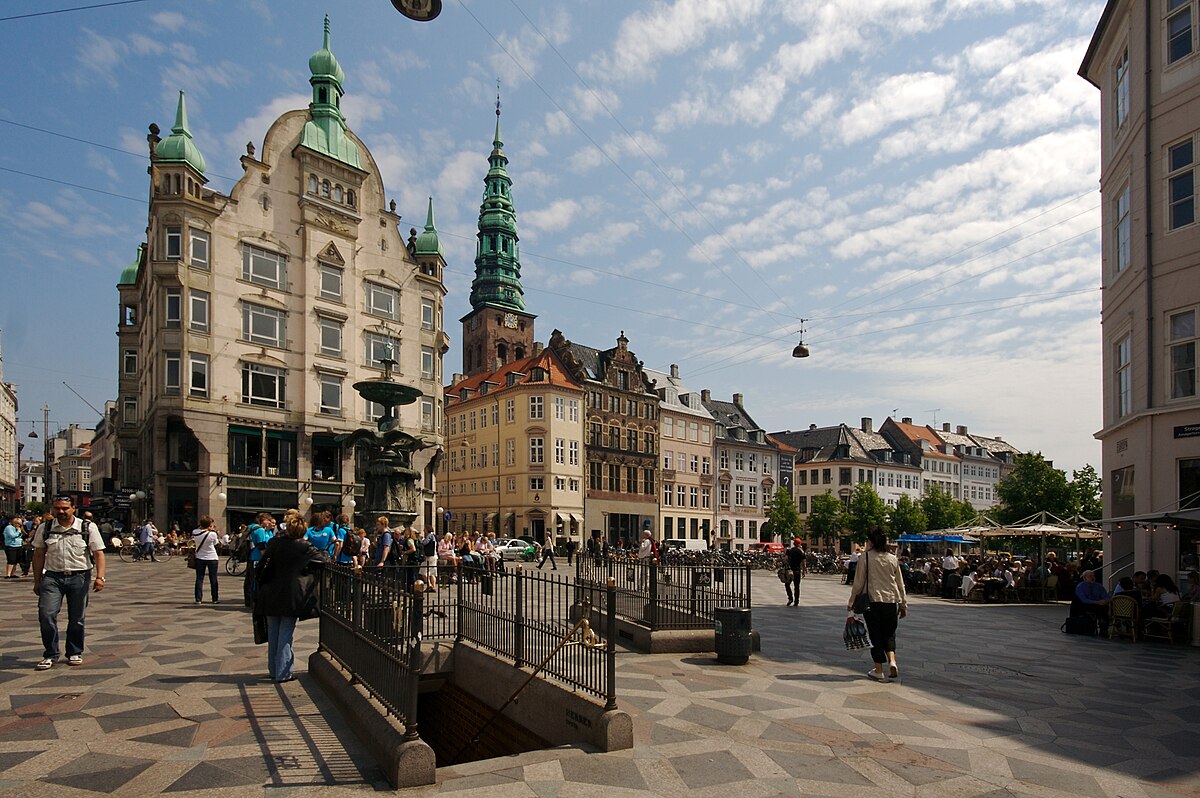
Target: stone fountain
<point>390,481</point>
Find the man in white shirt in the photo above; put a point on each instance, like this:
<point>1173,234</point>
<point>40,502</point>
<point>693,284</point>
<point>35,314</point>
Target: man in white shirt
<point>950,562</point>
<point>65,552</point>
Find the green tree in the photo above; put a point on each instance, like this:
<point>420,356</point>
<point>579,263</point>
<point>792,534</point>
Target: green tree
<point>783,519</point>
<point>906,517</point>
<point>942,511</point>
<point>825,518</point>
<point>35,507</point>
<point>865,510</point>
<point>1085,493</point>
<point>1033,486</point>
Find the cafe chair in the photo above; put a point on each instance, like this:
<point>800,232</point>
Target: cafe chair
<point>1123,617</point>
<point>1050,589</point>
<point>1171,627</point>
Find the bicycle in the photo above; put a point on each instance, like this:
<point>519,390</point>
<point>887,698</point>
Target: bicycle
<point>132,552</point>
<point>234,566</point>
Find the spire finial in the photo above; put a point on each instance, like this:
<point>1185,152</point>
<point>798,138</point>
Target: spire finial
<point>497,96</point>
<point>181,120</point>
<point>429,225</point>
<point>326,31</point>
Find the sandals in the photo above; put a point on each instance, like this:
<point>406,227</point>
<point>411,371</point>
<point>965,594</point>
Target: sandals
<point>894,672</point>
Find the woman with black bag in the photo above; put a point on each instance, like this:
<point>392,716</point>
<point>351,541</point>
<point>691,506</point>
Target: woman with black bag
<point>287,592</point>
<point>878,580</point>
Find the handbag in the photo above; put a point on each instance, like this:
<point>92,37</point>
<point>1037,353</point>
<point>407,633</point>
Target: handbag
<point>862,602</point>
<point>784,575</point>
<point>191,559</point>
<point>855,635</point>
<point>260,628</point>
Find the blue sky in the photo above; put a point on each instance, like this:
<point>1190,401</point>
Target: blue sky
<point>917,178</point>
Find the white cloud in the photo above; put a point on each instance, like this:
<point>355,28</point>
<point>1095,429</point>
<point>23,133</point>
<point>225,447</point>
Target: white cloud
<point>608,236</point>
<point>556,216</point>
<point>168,20</point>
<point>897,98</point>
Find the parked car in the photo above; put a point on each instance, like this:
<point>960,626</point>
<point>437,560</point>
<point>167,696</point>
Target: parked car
<point>515,548</point>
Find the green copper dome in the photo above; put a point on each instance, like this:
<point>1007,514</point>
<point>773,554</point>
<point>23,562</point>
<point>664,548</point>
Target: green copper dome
<point>323,63</point>
<point>497,280</point>
<point>129,274</point>
<point>428,242</point>
<point>179,147</point>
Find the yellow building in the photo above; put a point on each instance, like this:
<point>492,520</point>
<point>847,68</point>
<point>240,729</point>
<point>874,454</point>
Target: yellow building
<point>686,461</point>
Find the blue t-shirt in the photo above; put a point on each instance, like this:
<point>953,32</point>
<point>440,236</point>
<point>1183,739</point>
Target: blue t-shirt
<point>385,541</point>
<point>339,533</point>
<point>322,539</point>
<point>258,535</point>
<point>12,536</point>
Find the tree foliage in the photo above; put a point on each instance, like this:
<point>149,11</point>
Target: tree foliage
<point>1033,486</point>
<point>906,517</point>
<point>783,519</point>
<point>35,507</point>
<point>825,517</point>
<point>865,510</point>
<point>942,511</point>
<point>1085,493</point>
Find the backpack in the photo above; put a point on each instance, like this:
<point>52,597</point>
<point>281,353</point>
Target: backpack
<point>242,544</point>
<point>351,544</point>
<point>1080,625</point>
<point>430,545</point>
<point>48,527</point>
<point>395,555</point>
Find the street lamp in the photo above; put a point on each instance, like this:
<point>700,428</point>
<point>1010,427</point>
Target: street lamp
<point>418,10</point>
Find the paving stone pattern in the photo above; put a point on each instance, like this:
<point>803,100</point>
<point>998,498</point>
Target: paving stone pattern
<point>992,701</point>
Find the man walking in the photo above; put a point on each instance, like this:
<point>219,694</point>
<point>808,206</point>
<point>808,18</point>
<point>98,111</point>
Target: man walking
<point>548,554</point>
<point>64,552</point>
<point>146,536</point>
<point>796,557</point>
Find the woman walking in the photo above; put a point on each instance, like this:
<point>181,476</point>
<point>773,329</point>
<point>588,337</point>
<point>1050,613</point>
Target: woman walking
<point>205,538</point>
<point>286,592</point>
<point>878,576</point>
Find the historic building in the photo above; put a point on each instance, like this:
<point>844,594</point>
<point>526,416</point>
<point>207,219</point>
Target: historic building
<point>979,471</point>
<point>746,471</point>
<point>514,429</point>
<point>621,418</point>
<point>686,461</point>
<point>246,319</point>
<point>939,464</point>
<point>1145,60</point>
<point>10,445</point>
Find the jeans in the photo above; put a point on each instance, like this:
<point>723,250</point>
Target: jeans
<point>882,620</point>
<point>280,629</point>
<point>548,554</point>
<point>794,578</point>
<point>147,550</point>
<point>53,589</point>
<point>211,567</point>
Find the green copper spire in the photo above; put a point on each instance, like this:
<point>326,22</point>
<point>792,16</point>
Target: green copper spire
<point>497,280</point>
<point>179,147</point>
<point>325,131</point>
<point>428,242</point>
<point>129,274</point>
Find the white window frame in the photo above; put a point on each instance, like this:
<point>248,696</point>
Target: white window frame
<point>330,281</point>
<point>1121,89</point>
<point>1123,376</point>
<point>331,336</point>
<point>1181,341</point>
<point>429,370</point>
<point>129,362</point>
<point>173,308</point>
<point>252,313</point>
<point>573,453</point>
<point>1121,241</point>
<point>174,242</point>
<point>198,311</point>
<point>263,267</point>
<point>1179,12</point>
<point>428,314</point>
<point>374,348</point>
<point>537,450</point>
<point>329,393</point>
<point>381,300</point>
<point>172,373</point>
<point>276,398</point>
<point>199,249</point>
<point>560,451</point>
<point>198,364</point>
<point>1176,175</point>
<point>537,408</point>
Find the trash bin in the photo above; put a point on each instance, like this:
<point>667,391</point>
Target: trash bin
<point>732,631</point>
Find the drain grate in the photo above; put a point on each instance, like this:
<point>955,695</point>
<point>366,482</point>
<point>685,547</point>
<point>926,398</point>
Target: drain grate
<point>990,670</point>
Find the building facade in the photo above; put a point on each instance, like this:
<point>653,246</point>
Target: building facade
<point>246,319</point>
<point>940,467</point>
<point>33,483</point>
<point>686,462</point>
<point>621,429</point>
<point>1145,60</point>
<point>745,467</point>
<point>979,471</point>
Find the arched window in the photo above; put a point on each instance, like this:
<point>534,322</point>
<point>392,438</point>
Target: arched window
<point>502,353</point>
<point>324,188</point>
<point>337,193</point>
<point>322,95</point>
<point>520,350</point>
<point>350,197</point>
<point>312,184</point>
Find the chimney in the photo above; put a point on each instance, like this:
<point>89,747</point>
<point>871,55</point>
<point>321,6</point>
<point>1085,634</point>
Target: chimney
<point>456,379</point>
<point>999,438</point>
<point>945,426</point>
<point>812,427</point>
<point>674,371</point>
<point>705,395</point>
<point>962,429</point>
<point>906,421</point>
<point>866,424</point>
<point>537,348</point>
<point>737,399</point>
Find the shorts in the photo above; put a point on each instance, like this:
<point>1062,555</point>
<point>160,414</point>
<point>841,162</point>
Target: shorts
<point>431,561</point>
<point>15,555</point>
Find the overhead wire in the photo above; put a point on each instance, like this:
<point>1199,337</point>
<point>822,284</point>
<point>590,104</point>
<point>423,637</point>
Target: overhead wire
<point>68,10</point>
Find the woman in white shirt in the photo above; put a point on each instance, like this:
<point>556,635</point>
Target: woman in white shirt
<point>878,575</point>
<point>205,537</point>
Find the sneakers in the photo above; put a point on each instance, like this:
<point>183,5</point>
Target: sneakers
<point>75,659</point>
<point>44,665</point>
<point>878,676</point>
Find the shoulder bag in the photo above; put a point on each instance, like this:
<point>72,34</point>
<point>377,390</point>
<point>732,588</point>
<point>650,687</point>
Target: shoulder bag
<point>862,602</point>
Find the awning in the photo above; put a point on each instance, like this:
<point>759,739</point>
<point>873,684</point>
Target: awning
<point>487,519</point>
<point>577,519</point>
<point>508,517</point>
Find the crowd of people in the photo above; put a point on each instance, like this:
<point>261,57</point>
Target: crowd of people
<point>1156,595</point>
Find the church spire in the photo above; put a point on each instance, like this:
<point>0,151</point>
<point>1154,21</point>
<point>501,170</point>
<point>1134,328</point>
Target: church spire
<point>325,130</point>
<point>497,280</point>
<point>179,147</point>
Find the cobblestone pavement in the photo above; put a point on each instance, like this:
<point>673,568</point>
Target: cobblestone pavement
<point>992,701</point>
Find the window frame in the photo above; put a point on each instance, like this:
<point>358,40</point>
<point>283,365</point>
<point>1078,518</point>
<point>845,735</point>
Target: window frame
<point>198,363</point>
<point>173,373</point>
<point>371,339</point>
<point>198,299</point>
<point>253,256</point>
<point>333,326</point>
<point>1121,90</point>
<point>329,382</point>
<point>174,242</point>
<point>329,270</point>
<point>279,399</point>
<point>1123,376</point>
<point>428,314</point>
<point>251,310</point>
<point>1122,245</point>
<point>202,237</point>
<point>1178,9</point>
<point>173,308</point>
<point>1183,342</point>
<point>371,293</point>
<point>1176,175</point>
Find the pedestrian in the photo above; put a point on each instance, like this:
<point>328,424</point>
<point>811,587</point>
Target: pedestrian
<point>321,533</point>
<point>14,546</point>
<point>595,549</point>
<point>429,556</point>
<point>261,532</point>
<point>384,543</point>
<point>570,547</point>
<point>795,564</point>
<point>547,554</point>
<point>146,537</point>
<point>286,590</point>
<point>65,553</point>
<point>205,539</point>
<point>878,576</point>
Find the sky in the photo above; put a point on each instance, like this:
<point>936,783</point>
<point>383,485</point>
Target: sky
<point>916,180</point>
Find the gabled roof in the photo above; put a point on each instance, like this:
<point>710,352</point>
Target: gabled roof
<point>996,445</point>
<point>671,393</point>
<point>733,416</point>
<point>915,434</point>
<point>812,438</point>
<point>557,375</point>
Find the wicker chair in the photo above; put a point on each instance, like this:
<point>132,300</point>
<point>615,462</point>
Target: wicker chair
<point>1123,617</point>
<point>1171,627</point>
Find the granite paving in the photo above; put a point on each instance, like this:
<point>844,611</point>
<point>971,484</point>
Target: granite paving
<point>993,702</point>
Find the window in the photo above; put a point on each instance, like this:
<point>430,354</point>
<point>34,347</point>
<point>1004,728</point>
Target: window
<point>129,361</point>
<point>172,371</point>
<point>198,379</point>
<point>1182,336</point>
<point>843,476</point>
<point>537,483</point>
<point>560,451</point>
<point>753,462</point>
<point>739,495</point>
<point>1121,89</point>
<point>379,347</point>
<point>383,301</point>
<point>1179,29</point>
<point>1121,230</point>
<point>496,415</point>
<point>537,408</point>
<point>574,453</point>
<point>263,267</point>
<point>705,498</point>
<point>668,494</point>
<point>427,314</point>
<point>573,411</point>
<point>174,243</point>
<point>1181,185</point>
<point>1123,379</point>
<point>331,394</point>
<point>329,283</point>
<point>510,410</point>
<point>199,247</point>
<point>723,456</point>
<point>668,461</point>
<point>262,385</point>
<point>129,413</point>
<point>174,308</point>
<point>429,368</point>
<point>537,451</point>
<point>623,380</point>
<point>560,407</point>
<point>802,504</point>
<point>331,337</point>
<point>198,312</point>
<point>706,466</point>
<point>631,479</point>
<point>262,325</point>
<point>739,461</point>
<point>595,476</point>
<point>826,476</point>
<point>510,452</point>
<point>752,495</point>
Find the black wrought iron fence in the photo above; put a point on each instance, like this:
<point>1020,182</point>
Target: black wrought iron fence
<point>665,597</point>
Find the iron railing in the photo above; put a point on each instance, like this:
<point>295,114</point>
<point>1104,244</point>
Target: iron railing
<point>663,597</point>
